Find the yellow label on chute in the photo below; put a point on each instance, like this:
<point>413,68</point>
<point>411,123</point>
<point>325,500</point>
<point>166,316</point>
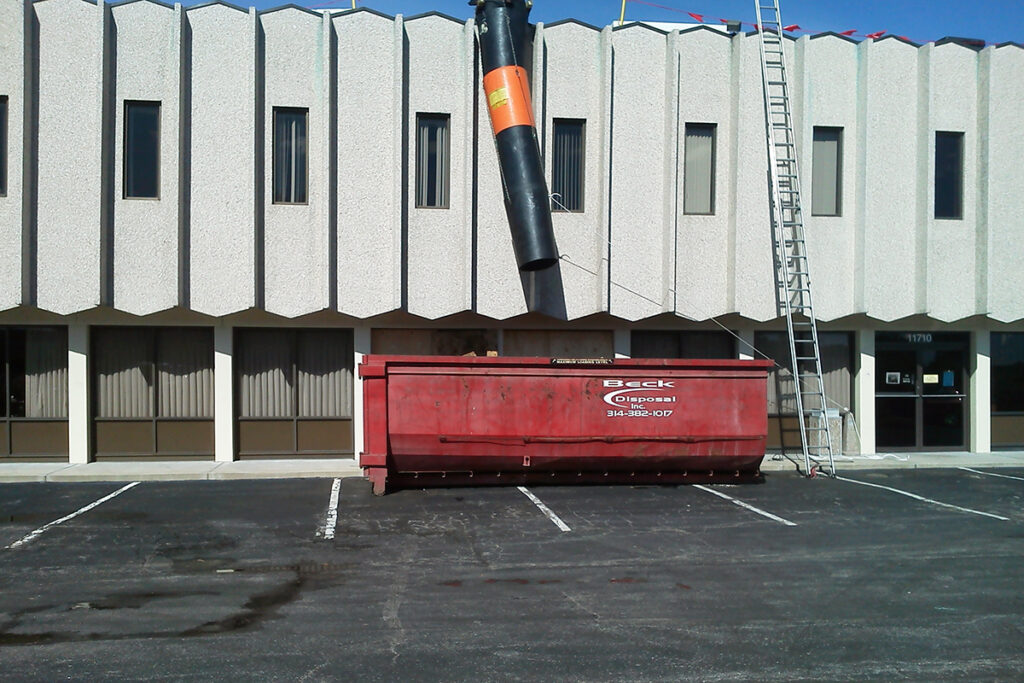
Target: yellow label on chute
<point>498,97</point>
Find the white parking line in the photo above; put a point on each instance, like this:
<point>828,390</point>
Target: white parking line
<point>545,509</point>
<point>990,474</point>
<point>746,506</point>
<point>926,500</point>
<point>331,521</point>
<point>43,529</point>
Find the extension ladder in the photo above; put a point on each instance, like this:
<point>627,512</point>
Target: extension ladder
<point>793,284</point>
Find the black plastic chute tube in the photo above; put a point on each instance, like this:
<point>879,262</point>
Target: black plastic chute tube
<point>502,27</point>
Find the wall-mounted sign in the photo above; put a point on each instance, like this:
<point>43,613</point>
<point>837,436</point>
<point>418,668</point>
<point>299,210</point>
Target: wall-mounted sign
<point>892,378</point>
<point>918,337</point>
<point>931,379</point>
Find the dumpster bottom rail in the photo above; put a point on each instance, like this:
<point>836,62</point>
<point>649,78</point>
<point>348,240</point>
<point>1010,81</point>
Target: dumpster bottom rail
<point>383,481</point>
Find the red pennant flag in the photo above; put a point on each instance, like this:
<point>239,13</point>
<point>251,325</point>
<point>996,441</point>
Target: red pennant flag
<point>756,27</point>
<point>791,27</point>
<point>875,35</point>
<point>848,33</point>
<point>698,17</point>
<point>905,38</point>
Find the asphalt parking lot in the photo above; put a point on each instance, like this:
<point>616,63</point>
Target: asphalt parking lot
<point>792,579</point>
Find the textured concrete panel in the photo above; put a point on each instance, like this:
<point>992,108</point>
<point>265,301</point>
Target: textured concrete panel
<point>754,277</point>
<point>576,79</point>
<point>642,150</point>
<point>148,40</point>
<point>12,84</point>
<point>369,162</point>
<point>298,74</point>
<point>70,153</point>
<point>703,243</point>
<point>499,291</point>
<point>828,75</point>
<point>223,187</point>
<point>440,240</point>
<point>952,106</point>
<point>893,213</point>
<point>1004,203</point>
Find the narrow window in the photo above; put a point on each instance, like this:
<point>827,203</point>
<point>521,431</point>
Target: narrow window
<point>290,166</point>
<point>827,172</point>
<point>567,164</point>
<point>699,169</point>
<point>3,145</point>
<point>949,175</point>
<point>142,150</point>
<point>432,159</point>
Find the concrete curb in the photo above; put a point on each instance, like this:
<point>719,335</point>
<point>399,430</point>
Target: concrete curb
<point>177,471</point>
<point>902,461</point>
<point>11,473</point>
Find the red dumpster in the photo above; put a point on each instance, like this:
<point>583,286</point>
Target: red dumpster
<point>432,420</point>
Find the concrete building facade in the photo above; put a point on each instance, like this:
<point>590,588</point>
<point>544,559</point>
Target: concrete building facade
<point>221,312</point>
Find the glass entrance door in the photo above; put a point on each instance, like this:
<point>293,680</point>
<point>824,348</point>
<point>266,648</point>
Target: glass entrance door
<point>921,390</point>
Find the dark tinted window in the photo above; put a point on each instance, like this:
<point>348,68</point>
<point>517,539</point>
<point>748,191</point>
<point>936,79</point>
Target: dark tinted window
<point>142,149</point>
<point>1008,372</point>
<point>290,157</point>
<point>567,164</point>
<point>826,171</point>
<point>699,169</point>
<point>3,145</point>
<point>432,161</point>
<point>679,344</point>
<point>949,175</point>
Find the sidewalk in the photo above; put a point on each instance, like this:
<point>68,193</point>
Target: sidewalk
<point>347,467</point>
<point>889,461</point>
<point>178,470</point>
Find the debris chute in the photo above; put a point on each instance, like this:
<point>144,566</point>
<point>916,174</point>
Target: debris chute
<point>501,27</point>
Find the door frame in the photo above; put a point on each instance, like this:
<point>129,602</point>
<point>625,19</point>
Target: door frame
<point>917,342</point>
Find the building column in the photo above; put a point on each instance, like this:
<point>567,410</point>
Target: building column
<point>623,343</point>
<point>980,407</point>
<point>224,393</point>
<point>361,338</point>
<point>864,390</point>
<point>745,345</point>
<point>79,443</point>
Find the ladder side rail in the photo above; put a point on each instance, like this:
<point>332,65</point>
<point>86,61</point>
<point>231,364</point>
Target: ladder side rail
<point>779,225</point>
<point>799,283</point>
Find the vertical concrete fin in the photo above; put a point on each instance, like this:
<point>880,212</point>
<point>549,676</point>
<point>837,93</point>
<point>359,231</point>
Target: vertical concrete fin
<point>469,59</point>
<point>30,157</point>
<point>184,37</point>
<point>401,234</point>
<point>924,196</point>
<point>330,91</point>
<point>107,96</point>
<point>860,191</point>
<point>981,245</point>
<point>670,167</point>
<point>259,208</point>
<point>734,156</point>
<point>607,159</point>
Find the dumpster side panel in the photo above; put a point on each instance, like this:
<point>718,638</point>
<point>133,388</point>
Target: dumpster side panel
<point>480,416</point>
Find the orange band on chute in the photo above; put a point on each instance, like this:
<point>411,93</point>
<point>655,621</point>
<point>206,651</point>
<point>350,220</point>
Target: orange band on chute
<point>508,98</point>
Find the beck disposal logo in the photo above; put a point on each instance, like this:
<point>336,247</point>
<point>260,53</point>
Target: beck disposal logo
<point>638,398</point>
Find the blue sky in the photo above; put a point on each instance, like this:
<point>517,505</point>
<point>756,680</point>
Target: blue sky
<point>995,21</point>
